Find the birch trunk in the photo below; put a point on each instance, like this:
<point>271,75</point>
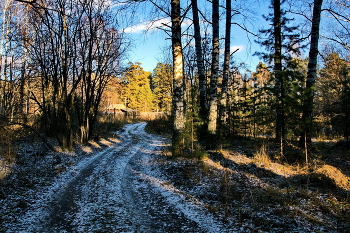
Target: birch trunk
<point>224,88</point>
<point>311,75</point>
<point>200,61</point>
<point>178,95</point>
<point>213,103</point>
<point>3,52</point>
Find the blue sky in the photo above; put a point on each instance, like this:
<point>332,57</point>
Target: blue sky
<point>149,42</point>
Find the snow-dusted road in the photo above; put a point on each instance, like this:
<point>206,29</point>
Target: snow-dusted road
<point>117,190</point>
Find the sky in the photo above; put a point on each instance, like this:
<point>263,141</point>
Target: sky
<point>149,43</point>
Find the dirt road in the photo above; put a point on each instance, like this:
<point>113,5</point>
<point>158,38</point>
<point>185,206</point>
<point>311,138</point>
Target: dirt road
<point>117,190</point>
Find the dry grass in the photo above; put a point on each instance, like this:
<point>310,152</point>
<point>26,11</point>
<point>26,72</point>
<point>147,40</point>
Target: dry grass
<point>262,157</point>
<point>8,149</point>
<point>341,180</point>
<point>243,185</point>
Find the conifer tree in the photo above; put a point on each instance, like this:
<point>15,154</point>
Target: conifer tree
<point>137,91</point>
<point>333,88</point>
<point>162,87</point>
<point>281,42</point>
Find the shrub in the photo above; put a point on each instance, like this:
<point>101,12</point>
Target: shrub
<point>162,126</point>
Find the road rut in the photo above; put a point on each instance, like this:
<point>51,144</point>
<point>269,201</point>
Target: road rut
<point>110,192</point>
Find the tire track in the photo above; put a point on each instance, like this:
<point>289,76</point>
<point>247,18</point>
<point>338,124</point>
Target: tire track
<point>116,191</point>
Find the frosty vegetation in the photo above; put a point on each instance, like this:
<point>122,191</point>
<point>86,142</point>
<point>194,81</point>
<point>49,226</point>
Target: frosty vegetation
<point>203,143</point>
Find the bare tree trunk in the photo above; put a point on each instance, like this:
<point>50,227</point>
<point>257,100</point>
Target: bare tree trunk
<point>179,119</point>
<point>280,124</point>
<point>200,61</point>
<point>226,70</point>
<point>305,138</point>
<point>213,103</point>
<point>3,54</point>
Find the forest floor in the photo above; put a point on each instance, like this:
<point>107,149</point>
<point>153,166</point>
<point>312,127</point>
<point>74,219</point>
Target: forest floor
<point>130,183</point>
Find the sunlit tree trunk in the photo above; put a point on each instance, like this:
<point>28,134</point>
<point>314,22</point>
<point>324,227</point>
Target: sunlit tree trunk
<point>213,96</point>
<point>4,43</point>
<point>66,130</point>
<point>178,95</point>
<point>311,75</point>
<point>200,61</point>
<point>226,70</point>
<point>279,88</point>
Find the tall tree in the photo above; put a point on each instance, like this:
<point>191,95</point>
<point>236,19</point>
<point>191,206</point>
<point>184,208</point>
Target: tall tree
<point>179,119</point>
<point>213,93</point>
<point>137,91</point>
<point>200,60</point>
<point>333,96</point>
<point>162,86</point>
<point>283,43</point>
<point>103,45</point>
<point>277,25</point>
<point>226,70</point>
<point>311,75</point>
<point>76,49</point>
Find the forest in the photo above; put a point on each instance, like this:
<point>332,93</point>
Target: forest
<point>65,62</point>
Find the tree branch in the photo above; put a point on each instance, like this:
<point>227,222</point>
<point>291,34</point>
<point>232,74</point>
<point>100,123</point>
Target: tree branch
<point>245,29</point>
<point>29,2</point>
<point>161,9</point>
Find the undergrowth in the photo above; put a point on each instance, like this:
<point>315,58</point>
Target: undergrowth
<point>247,183</point>
<point>161,126</point>
<point>108,124</point>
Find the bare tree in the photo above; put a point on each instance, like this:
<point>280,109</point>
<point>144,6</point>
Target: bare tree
<point>99,47</point>
<point>77,48</point>
<point>338,29</point>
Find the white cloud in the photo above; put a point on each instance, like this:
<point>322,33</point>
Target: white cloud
<point>147,26</point>
<point>153,25</point>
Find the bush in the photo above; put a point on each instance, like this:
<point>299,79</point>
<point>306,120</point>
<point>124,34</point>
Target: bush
<point>108,124</point>
<point>161,126</point>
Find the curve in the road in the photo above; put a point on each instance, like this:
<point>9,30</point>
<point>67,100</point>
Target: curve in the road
<point>112,192</point>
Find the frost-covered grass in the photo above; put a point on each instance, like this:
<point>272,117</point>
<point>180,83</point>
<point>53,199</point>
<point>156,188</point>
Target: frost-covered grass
<point>242,188</point>
<point>259,193</point>
<point>34,168</point>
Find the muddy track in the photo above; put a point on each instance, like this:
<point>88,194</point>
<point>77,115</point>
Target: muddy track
<point>110,192</point>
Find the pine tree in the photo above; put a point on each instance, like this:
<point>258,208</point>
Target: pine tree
<point>162,87</point>
<point>263,117</point>
<point>282,41</point>
<point>333,88</point>
<point>137,91</point>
